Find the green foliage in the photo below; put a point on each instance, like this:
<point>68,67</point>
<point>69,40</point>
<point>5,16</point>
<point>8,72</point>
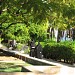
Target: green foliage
<point>22,34</point>
<point>14,12</point>
<point>33,14</point>
<point>8,67</point>
<point>38,32</point>
<point>19,32</point>
<point>21,10</point>
<point>60,51</point>
<point>12,67</point>
<point>27,51</point>
<point>19,46</point>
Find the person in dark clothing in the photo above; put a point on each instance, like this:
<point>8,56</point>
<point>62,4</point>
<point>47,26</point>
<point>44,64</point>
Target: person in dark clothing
<point>32,48</point>
<point>10,44</point>
<point>38,51</point>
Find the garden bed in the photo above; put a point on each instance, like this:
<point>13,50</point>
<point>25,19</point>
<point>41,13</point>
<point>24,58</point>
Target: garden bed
<point>9,67</point>
<point>11,64</point>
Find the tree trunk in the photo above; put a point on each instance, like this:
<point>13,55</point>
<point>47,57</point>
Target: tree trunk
<point>58,37</point>
<point>73,35</point>
<point>48,33</point>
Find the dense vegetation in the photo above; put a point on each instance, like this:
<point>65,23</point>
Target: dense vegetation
<point>33,17</point>
<point>60,51</point>
<point>23,19</point>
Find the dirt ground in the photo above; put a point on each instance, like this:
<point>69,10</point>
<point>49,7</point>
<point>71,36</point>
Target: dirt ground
<point>9,58</point>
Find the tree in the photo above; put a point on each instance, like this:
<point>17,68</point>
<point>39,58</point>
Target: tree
<point>19,32</point>
<point>59,13</point>
<point>63,13</point>
<point>14,11</point>
<point>26,12</point>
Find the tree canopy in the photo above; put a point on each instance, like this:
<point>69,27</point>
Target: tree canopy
<point>13,13</point>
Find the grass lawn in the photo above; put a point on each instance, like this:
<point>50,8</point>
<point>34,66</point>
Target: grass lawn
<point>11,67</point>
<point>11,64</point>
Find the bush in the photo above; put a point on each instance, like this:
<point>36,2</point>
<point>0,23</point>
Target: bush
<point>19,46</point>
<point>22,47</point>
<point>27,50</point>
<point>58,51</point>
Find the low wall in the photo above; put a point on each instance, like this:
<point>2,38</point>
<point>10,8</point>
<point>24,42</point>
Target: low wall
<point>31,60</point>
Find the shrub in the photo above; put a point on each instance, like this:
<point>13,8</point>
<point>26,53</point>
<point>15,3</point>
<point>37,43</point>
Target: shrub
<point>23,47</point>
<point>58,51</point>
<point>27,51</point>
<point>19,46</point>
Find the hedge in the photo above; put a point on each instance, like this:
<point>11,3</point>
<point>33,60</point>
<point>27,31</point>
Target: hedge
<point>58,51</point>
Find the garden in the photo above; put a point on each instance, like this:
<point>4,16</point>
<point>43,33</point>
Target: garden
<point>51,22</point>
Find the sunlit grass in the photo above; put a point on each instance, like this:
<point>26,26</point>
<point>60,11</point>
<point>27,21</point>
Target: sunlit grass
<point>11,67</point>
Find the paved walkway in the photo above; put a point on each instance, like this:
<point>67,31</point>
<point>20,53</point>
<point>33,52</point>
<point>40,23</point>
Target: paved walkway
<point>65,69</point>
